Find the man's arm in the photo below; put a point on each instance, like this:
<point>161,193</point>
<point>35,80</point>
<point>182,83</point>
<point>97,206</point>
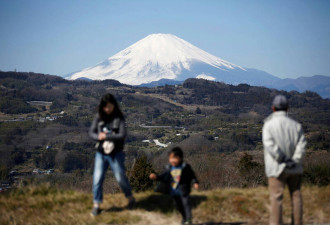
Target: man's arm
<point>299,152</point>
<point>270,146</point>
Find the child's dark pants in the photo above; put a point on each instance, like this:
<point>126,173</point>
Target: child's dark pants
<point>183,205</point>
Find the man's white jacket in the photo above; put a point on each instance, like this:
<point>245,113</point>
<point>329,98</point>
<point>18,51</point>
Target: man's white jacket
<point>282,137</point>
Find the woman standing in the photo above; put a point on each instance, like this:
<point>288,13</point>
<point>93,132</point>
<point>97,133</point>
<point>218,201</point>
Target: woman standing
<point>108,129</point>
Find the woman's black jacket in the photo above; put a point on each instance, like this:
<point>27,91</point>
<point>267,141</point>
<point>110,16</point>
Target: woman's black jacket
<point>117,132</point>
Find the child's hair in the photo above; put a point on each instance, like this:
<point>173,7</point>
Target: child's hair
<point>109,98</point>
<point>176,151</point>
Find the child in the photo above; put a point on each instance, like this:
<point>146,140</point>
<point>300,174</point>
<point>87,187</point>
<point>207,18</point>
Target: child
<point>177,178</point>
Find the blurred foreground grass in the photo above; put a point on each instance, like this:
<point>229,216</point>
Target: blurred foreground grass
<point>46,205</point>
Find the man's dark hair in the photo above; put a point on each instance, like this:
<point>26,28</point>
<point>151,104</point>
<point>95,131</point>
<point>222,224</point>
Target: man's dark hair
<point>176,151</point>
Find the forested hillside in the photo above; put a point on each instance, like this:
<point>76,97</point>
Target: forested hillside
<point>44,123</point>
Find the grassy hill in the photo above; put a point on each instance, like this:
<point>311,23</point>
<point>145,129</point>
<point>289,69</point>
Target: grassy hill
<point>45,204</point>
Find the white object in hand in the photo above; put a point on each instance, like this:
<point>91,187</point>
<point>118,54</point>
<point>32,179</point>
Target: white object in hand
<point>108,147</point>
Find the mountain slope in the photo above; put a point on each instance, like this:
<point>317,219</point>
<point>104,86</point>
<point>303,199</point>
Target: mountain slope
<point>165,56</point>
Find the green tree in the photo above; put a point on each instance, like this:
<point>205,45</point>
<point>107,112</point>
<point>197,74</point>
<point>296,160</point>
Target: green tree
<point>18,156</point>
<point>74,161</point>
<point>198,110</point>
<point>139,177</point>
<point>3,172</point>
<point>46,160</point>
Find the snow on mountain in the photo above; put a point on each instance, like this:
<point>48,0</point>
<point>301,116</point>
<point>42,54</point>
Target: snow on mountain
<point>165,56</point>
<point>205,77</point>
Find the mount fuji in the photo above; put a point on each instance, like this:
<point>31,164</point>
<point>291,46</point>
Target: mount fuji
<point>168,57</point>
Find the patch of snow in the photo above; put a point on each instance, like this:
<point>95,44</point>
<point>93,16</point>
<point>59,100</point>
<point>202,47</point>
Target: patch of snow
<point>205,77</point>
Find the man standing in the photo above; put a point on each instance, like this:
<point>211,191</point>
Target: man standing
<point>284,148</point>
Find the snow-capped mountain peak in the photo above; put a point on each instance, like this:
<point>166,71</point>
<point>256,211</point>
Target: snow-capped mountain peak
<point>155,57</point>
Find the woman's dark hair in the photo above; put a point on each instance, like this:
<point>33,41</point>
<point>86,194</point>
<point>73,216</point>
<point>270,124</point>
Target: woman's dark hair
<point>176,151</point>
<point>282,109</point>
<point>109,98</point>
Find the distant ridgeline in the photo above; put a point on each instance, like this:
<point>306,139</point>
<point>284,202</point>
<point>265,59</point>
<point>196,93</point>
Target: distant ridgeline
<point>19,88</point>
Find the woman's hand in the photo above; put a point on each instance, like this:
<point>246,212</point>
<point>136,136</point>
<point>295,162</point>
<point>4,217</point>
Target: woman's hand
<point>196,186</point>
<point>102,136</point>
<point>153,176</point>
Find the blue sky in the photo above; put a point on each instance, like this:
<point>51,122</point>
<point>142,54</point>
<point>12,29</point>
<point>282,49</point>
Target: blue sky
<point>284,38</point>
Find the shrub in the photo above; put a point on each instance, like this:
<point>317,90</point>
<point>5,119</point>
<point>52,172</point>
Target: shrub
<point>68,121</point>
<point>3,172</point>
<point>45,160</point>
<point>317,174</point>
<point>198,110</point>
<point>252,172</point>
<point>139,177</point>
<point>74,161</point>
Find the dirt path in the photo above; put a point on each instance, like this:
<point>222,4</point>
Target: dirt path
<point>152,218</point>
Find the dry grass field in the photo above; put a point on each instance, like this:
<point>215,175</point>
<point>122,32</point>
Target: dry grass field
<point>46,205</point>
